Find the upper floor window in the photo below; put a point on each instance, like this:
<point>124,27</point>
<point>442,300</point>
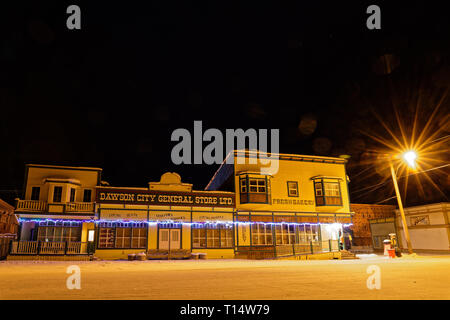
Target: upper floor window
<point>72,195</point>
<point>87,195</point>
<point>292,188</point>
<point>35,193</point>
<point>253,190</point>
<point>327,193</point>
<point>57,194</point>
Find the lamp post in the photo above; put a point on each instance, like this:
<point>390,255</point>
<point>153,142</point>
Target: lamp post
<point>409,157</point>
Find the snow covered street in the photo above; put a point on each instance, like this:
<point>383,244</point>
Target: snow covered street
<point>422,277</point>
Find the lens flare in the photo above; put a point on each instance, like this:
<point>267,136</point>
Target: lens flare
<point>410,157</point>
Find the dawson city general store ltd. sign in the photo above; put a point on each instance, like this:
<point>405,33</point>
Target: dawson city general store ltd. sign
<point>164,198</point>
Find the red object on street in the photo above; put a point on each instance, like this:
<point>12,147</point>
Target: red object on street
<point>391,253</point>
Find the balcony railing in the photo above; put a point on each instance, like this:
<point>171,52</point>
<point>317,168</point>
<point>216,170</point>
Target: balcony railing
<point>79,207</point>
<point>31,205</point>
<point>42,206</point>
<point>25,247</point>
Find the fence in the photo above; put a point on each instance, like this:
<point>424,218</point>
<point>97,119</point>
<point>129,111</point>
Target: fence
<point>24,247</point>
<point>267,252</point>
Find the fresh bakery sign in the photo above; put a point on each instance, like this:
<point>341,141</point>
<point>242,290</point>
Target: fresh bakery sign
<point>198,199</point>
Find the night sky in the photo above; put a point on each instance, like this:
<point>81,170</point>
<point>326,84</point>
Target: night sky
<point>110,95</point>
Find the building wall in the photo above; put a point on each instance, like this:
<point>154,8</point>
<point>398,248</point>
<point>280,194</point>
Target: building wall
<point>89,178</point>
<point>300,172</point>
<point>8,221</point>
<point>428,227</point>
<point>361,227</point>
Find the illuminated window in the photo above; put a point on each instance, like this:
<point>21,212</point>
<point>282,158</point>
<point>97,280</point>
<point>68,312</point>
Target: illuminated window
<point>261,234</point>
<point>212,236</point>
<point>122,235</point>
<point>292,188</point>
<point>59,231</point>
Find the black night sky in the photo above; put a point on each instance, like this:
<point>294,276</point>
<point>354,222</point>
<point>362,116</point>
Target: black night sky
<point>110,95</point>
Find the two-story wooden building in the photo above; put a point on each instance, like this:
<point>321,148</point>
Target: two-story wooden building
<point>247,210</point>
<point>57,211</point>
<point>297,206</point>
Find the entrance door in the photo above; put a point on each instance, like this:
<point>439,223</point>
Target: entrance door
<point>174,239</point>
<point>169,239</point>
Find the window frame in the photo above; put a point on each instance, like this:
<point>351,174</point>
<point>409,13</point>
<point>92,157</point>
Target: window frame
<point>73,195</point>
<point>112,228</point>
<point>323,192</point>
<point>33,194</point>
<point>55,193</point>
<point>90,195</point>
<point>199,229</point>
<point>296,189</point>
<point>246,183</point>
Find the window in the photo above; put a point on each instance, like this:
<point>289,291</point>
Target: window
<point>59,231</point>
<point>212,236</point>
<point>327,193</point>
<point>292,188</point>
<point>307,233</point>
<point>253,190</point>
<point>35,193</point>
<point>261,234</point>
<point>72,194</point>
<point>285,234</point>
<point>57,194</point>
<point>122,235</point>
<point>87,195</point>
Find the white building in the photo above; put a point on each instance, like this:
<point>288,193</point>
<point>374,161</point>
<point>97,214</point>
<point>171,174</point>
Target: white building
<point>428,226</point>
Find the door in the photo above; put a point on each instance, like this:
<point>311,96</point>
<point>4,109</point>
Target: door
<point>169,239</point>
<point>164,239</point>
<point>174,239</point>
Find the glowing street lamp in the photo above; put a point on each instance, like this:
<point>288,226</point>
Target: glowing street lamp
<point>410,158</point>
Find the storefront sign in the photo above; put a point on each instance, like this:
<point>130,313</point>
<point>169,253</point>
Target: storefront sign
<point>174,216</point>
<point>114,214</point>
<point>164,198</point>
<point>296,202</point>
<point>211,216</point>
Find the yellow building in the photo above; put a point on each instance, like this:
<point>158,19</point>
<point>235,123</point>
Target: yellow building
<point>57,210</point>
<point>298,206</point>
<point>166,216</point>
<point>250,210</point>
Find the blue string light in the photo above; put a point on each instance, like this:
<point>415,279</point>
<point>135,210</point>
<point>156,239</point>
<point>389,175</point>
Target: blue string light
<point>46,220</point>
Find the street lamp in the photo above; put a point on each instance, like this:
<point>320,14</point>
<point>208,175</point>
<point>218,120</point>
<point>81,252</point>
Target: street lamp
<point>410,158</point>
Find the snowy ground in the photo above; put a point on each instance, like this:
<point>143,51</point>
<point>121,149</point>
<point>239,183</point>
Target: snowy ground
<point>423,277</point>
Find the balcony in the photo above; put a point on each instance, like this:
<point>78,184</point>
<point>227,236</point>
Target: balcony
<point>33,206</point>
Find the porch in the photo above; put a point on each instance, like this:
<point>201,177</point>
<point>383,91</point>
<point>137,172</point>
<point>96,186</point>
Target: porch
<point>290,250</point>
<point>48,248</point>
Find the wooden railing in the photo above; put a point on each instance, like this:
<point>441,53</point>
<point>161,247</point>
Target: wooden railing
<point>42,206</point>
<point>24,247</point>
<point>80,207</point>
<point>52,247</point>
<point>31,205</point>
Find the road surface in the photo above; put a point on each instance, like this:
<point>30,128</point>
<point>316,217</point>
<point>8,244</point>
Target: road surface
<point>409,277</point>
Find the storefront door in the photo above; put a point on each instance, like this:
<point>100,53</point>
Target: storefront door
<point>169,239</point>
